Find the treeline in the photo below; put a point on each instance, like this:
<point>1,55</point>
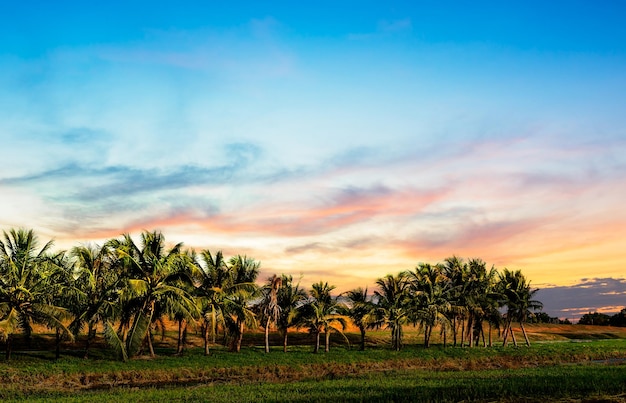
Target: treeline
<point>127,289</point>
<point>602,319</point>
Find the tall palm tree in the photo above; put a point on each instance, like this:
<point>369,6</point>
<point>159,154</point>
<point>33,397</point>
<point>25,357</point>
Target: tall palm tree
<point>25,287</point>
<point>322,313</point>
<point>98,283</point>
<point>214,283</point>
<point>359,311</point>
<point>430,298</point>
<point>393,308</point>
<point>479,297</point>
<point>236,307</point>
<point>269,307</point>
<point>290,298</point>
<point>155,286</point>
<point>455,270</point>
<point>517,296</point>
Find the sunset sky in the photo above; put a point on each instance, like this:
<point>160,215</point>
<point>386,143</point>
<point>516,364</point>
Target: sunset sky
<point>340,141</point>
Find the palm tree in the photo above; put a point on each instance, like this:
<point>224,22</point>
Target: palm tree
<point>214,283</point>
<point>517,295</point>
<point>155,286</point>
<point>479,297</point>
<point>455,270</point>
<point>359,311</point>
<point>236,304</point>
<point>290,298</point>
<point>269,307</point>
<point>322,313</point>
<point>25,287</point>
<point>98,283</point>
<point>392,306</point>
<point>429,292</point>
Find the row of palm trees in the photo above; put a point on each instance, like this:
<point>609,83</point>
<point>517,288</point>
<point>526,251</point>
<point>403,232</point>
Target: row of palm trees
<point>128,289</point>
<point>457,297</point>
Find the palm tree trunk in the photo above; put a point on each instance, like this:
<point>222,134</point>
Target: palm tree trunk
<point>267,336</point>
<point>327,345</point>
<point>214,324</point>
<point>454,330</point>
<point>9,346</point>
<point>239,337</point>
<point>285,341</point>
<point>490,344</point>
<point>206,338</point>
<point>521,324</point>
<point>470,324</point>
<point>149,341</point>
<point>316,349</point>
<point>443,331</point>
<point>90,332</point>
<point>182,324</point>
<point>505,338</point>
<point>362,329</point>
<point>463,332</point>
<point>57,350</point>
<point>513,336</point>
<point>482,334</point>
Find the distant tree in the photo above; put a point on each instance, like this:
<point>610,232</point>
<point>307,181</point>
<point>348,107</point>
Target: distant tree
<point>595,318</point>
<point>542,317</point>
<point>564,322</point>
<point>619,319</point>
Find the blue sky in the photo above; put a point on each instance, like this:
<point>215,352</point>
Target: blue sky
<point>337,140</point>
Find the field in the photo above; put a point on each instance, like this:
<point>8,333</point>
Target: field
<point>564,362</point>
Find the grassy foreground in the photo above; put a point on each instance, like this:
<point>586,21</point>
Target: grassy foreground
<point>547,370</point>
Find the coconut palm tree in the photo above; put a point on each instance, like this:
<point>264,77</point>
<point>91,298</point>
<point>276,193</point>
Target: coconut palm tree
<point>26,287</point>
<point>98,283</point>
<point>430,299</point>
<point>392,306</point>
<point>455,270</point>
<point>359,310</point>
<point>236,308</point>
<point>516,295</point>
<point>269,307</point>
<point>322,313</point>
<point>155,286</point>
<point>290,298</point>
<point>214,283</point>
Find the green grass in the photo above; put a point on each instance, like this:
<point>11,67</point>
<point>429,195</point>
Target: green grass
<point>554,369</point>
<point>533,384</point>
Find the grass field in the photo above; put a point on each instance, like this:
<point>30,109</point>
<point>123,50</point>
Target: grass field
<point>564,362</point>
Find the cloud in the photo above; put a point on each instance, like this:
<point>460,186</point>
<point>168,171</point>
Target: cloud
<point>589,295</point>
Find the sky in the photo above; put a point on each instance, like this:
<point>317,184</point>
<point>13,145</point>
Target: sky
<point>332,140</point>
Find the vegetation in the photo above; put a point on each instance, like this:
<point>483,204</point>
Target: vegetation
<point>128,289</point>
<point>601,319</point>
<point>432,374</point>
<point>109,301</point>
